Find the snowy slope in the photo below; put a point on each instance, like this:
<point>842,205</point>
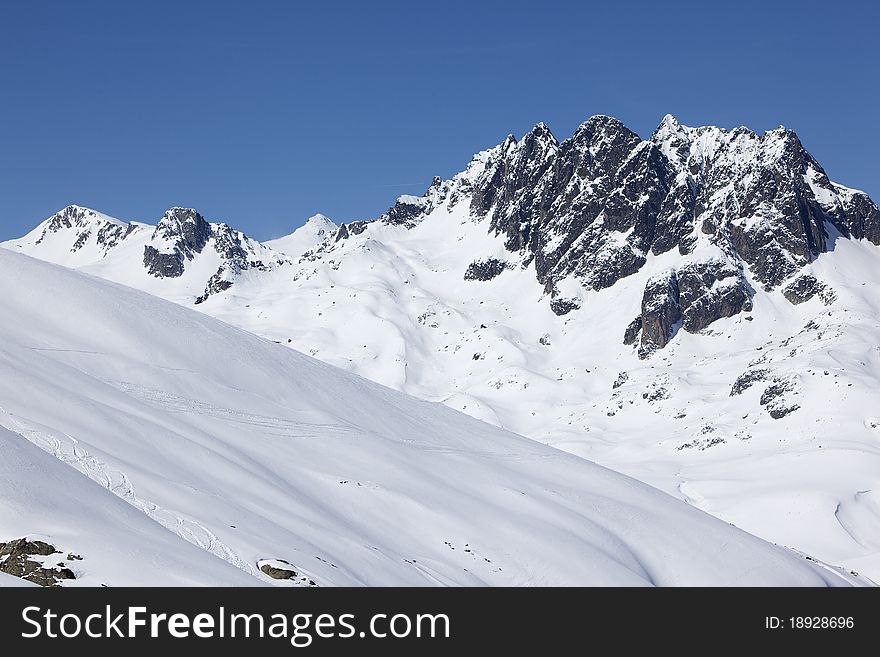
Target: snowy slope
<point>45,499</point>
<point>8,581</point>
<point>254,452</point>
<point>392,305</point>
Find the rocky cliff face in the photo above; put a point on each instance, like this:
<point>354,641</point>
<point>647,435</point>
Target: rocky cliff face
<point>738,207</point>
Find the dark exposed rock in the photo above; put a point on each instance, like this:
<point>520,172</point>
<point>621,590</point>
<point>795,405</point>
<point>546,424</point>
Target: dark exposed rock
<point>661,312</point>
<point>229,244</point>
<point>622,378</point>
<point>632,331</point>
<point>699,293</point>
<point>15,559</point>
<point>186,229</point>
<point>775,400</point>
<point>182,234</point>
<point>278,573</point>
<point>353,228</point>
<point>710,290</point>
<point>563,306</point>
<point>775,390</point>
<point>162,265</point>
<point>186,233</point>
<point>595,206</point>
<point>805,287</point>
<point>656,393</point>
<point>860,217</point>
<point>407,211</point>
<point>747,379</point>
<point>484,270</point>
<point>217,283</point>
<point>777,412</point>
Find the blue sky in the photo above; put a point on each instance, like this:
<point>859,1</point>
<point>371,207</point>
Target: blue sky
<point>263,113</point>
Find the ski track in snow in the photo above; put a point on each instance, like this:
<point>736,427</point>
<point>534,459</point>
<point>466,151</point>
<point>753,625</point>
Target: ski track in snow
<point>67,449</point>
<point>173,403</point>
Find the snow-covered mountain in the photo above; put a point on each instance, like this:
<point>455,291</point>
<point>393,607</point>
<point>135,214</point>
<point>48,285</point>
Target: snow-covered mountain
<point>182,255</point>
<point>698,310</point>
<point>144,443</point>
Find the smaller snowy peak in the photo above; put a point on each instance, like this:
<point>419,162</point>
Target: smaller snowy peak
<point>74,235</point>
<point>315,230</point>
<point>77,216</point>
<point>321,222</point>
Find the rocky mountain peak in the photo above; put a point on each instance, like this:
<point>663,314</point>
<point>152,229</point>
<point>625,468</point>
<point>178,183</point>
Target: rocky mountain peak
<point>77,216</point>
<point>85,226</point>
<point>596,206</point>
<point>184,226</point>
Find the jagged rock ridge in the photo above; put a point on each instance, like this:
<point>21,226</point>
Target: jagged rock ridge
<point>737,206</point>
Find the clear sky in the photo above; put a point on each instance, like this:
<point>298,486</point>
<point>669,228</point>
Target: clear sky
<point>262,113</point>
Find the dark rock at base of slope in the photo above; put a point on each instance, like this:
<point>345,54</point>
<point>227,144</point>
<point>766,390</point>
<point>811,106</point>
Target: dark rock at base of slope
<point>692,297</point>
<point>709,291</point>
<point>286,573</point>
<point>15,560</point>
<point>661,312</point>
<point>278,573</point>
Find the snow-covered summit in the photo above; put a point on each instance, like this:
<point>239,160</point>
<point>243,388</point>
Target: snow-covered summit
<point>315,230</point>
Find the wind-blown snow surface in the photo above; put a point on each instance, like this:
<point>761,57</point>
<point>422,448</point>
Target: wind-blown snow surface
<point>255,452</point>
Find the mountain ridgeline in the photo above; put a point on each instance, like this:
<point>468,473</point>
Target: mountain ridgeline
<point>739,209</point>
<point>595,206</point>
